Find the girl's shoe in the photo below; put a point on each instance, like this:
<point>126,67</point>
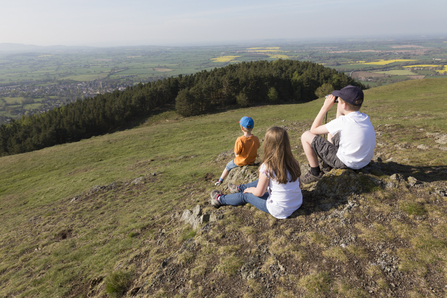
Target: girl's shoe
<point>232,188</point>
<point>214,198</point>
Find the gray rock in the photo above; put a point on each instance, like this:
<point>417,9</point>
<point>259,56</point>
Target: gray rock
<point>242,175</point>
<point>397,177</point>
<point>137,181</point>
<point>195,217</point>
<point>412,181</point>
<point>197,211</point>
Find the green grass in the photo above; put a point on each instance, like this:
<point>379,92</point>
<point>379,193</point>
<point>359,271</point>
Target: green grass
<point>52,245</point>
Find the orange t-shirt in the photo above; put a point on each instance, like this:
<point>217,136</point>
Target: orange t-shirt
<point>246,149</point>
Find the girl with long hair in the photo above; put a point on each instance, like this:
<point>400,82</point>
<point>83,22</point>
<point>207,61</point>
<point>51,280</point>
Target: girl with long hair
<point>277,191</point>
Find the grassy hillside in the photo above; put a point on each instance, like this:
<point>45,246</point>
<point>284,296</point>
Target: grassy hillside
<point>98,216</point>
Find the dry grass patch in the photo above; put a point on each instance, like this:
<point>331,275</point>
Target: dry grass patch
<point>268,262</point>
<point>346,288</point>
<point>186,257</point>
<point>316,283</point>
<point>335,253</point>
<point>229,265</point>
<point>282,247</point>
<point>402,230</point>
<point>357,251</point>
<point>375,232</point>
<point>317,238</point>
<point>229,249</point>
<point>412,208</point>
<point>257,288</point>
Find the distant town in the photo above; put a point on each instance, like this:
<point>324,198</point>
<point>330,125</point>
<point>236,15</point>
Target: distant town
<point>34,80</point>
<point>29,99</point>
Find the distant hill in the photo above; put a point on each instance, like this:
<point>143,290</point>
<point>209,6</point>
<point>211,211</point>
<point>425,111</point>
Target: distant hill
<point>243,84</point>
<point>23,48</point>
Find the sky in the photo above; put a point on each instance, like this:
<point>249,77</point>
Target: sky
<point>213,22</point>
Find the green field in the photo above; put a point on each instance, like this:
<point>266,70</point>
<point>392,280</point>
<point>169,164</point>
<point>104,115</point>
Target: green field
<point>397,72</point>
<point>61,236</point>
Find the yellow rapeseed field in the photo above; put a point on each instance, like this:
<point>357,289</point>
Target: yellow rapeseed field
<point>279,56</point>
<point>265,49</point>
<point>443,70</point>
<point>224,58</point>
<point>422,65</point>
<point>385,62</point>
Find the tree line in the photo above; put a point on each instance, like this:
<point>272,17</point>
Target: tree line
<point>243,84</point>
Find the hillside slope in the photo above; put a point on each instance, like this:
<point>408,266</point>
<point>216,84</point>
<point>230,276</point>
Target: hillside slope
<point>103,215</point>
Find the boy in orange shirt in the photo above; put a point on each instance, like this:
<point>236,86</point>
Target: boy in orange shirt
<point>245,148</point>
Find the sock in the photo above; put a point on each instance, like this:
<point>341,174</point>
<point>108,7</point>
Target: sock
<point>315,171</point>
<point>220,179</point>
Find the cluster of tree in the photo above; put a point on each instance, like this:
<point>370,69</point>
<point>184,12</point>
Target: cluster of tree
<point>243,84</point>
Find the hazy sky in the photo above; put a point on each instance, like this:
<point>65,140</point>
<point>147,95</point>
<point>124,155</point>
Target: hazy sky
<point>168,22</point>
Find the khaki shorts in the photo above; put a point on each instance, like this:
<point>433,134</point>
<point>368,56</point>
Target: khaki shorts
<point>327,151</point>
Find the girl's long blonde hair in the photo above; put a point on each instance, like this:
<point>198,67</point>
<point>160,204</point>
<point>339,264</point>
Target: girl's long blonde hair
<point>278,156</point>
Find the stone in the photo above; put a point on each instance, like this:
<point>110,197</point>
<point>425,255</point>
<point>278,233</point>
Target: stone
<point>242,175</point>
<point>412,181</point>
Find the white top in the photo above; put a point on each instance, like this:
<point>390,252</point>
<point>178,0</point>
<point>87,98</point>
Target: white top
<point>357,139</point>
<point>283,199</point>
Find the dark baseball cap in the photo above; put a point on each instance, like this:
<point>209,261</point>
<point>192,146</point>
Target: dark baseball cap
<point>350,94</point>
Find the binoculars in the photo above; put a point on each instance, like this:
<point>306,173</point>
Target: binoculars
<point>336,98</point>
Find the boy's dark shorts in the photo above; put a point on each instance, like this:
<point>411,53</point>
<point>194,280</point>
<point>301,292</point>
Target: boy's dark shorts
<point>327,151</point>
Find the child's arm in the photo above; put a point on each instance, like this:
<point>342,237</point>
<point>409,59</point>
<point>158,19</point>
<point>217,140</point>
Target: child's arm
<point>261,188</point>
<point>237,147</point>
<point>317,126</point>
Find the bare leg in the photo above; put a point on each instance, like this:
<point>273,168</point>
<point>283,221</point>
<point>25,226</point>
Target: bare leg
<point>306,139</point>
<point>224,174</point>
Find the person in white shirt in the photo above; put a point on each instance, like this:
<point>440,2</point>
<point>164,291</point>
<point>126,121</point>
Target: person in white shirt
<point>277,191</point>
<point>351,136</point>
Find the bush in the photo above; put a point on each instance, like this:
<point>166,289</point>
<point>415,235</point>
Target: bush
<point>273,95</point>
<point>324,90</point>
<point>242,100</point>
<point>117,283</point>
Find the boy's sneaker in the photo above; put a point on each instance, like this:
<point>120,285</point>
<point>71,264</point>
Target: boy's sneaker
<point>218,183</point>
<point>232,188</point>
<point>309,178</point>
<point>214,201</point>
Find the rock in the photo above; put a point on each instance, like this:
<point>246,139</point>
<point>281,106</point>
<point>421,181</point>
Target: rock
<point>197,211</point>
<point>439,138</point>
<point>75,199</point>
<point>137,181</point>
<point>343,182</point>
<point>423,147</point>
<point>398,177</point>
<point>412,181</point>
<point>225,155</point>
<point>242,175</point>
<point>390,185</point>
<point>195,217</point>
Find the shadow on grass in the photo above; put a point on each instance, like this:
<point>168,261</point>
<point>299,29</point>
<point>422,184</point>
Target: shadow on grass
<point>316,202</point>
<point>421,173</point>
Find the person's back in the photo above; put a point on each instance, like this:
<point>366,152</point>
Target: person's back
<point>357,139</point>
<point>247,146</point>
<point>351,136</point>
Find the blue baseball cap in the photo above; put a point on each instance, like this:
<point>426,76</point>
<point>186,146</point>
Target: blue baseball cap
<point>247,122</point>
